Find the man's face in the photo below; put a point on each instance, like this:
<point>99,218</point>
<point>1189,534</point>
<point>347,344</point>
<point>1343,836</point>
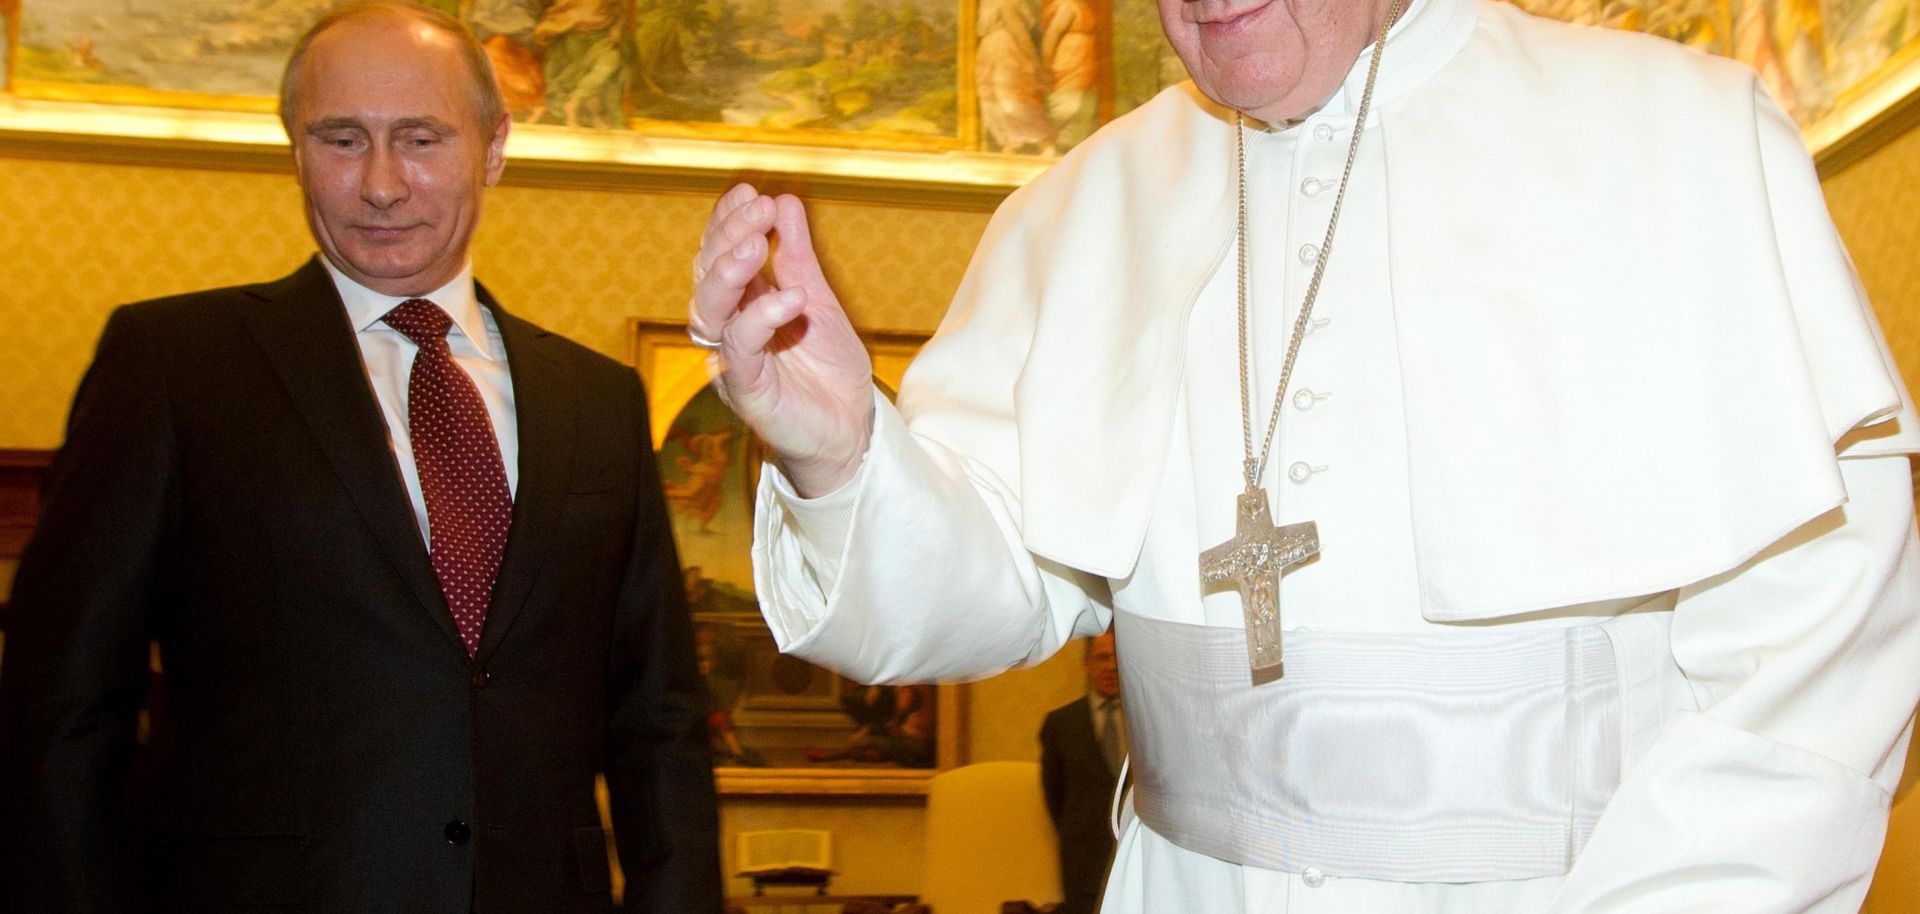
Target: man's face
<point>1272,59</point>
<point>1103,666</point>
<point>391,152</point>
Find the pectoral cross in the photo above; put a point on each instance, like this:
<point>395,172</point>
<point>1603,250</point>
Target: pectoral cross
<point>1254,559</point>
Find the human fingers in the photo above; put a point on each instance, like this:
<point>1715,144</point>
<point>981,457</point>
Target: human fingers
<point>734,276</point>
<point>750,331</point>
<point>726,231</point>
<point>723,206</point>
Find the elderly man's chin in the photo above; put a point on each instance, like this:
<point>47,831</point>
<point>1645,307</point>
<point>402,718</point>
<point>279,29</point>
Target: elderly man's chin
<point>1264,90</point>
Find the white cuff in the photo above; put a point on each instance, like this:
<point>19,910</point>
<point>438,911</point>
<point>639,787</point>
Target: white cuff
<point>820,525</point>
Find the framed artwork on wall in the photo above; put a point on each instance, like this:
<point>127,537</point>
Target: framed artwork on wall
<point>928,102</point>
<point>778,725</point>
<point>965,95</point>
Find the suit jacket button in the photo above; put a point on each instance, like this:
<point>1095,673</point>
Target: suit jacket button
<point>481,678</point>
<point>458,834</point>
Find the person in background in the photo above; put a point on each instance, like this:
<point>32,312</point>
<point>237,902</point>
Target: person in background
<point>1083,748</point>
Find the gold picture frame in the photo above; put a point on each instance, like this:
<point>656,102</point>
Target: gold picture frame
<point>781,727</point>
<point>73,120</point>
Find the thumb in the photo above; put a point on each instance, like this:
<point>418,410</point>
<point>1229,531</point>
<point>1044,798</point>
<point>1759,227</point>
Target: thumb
<point>795,263</point>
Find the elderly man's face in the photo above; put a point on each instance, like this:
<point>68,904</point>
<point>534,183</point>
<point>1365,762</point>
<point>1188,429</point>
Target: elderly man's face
<point>1272,59</point>
<point>392,155</point>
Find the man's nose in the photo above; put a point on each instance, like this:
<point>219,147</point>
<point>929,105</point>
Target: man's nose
<point>384,182</point>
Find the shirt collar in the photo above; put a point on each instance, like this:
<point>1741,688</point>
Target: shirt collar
<point>366,307</point>
<point>1419,44</point>
<point>1425,38</point>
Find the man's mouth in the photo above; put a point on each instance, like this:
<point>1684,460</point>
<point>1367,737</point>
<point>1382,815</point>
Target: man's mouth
<point>1224,15</point>
<point>383,232</point>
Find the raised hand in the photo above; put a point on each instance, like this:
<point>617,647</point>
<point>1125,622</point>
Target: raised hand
<point>788,362</point>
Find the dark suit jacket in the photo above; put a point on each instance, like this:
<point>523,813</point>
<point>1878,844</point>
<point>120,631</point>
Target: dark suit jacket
<point>227,488</point>
<point>1079,789</point>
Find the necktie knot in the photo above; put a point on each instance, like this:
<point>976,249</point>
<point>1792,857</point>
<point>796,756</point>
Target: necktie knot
<point>421,321</point>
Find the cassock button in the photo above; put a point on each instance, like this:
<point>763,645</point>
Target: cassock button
<point>1313,186</point>
<point>1309,253</point>
<point>1313,877</point>
<point>481,679</point>
<point>458,834</point>
<point>1323,133</point>
<point>1302,471</point>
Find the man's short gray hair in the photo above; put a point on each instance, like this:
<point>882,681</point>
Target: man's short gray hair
<point>486,91</point>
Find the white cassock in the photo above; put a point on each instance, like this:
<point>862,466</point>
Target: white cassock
<point>1589,359</point>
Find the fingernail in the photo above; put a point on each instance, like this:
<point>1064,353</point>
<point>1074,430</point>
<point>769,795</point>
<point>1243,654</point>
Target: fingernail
<point>764,205</point>
<point>744,250</point>
<point>793,296</point>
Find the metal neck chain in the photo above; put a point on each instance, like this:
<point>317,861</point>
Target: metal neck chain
<point>1255,466</point>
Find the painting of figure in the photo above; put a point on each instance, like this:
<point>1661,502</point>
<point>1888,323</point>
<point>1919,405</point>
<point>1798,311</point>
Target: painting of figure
<point>1010,78</point>
<point>1070,39</point>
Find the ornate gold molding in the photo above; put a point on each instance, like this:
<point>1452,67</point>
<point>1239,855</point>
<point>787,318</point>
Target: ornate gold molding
<point>538,156</point>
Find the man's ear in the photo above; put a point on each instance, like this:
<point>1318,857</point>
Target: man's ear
<point>497,149</point>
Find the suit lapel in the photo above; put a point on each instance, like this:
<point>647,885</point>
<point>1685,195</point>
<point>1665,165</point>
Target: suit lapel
<point>544,406</point>
<point>306,336</point>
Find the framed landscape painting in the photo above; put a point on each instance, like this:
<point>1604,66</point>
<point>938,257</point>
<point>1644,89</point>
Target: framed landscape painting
<point>777,724</point>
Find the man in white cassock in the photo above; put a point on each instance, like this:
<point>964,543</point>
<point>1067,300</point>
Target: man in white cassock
<point>1543,541</point>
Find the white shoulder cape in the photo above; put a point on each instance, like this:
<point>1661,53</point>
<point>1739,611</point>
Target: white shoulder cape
<point>1631,341</point>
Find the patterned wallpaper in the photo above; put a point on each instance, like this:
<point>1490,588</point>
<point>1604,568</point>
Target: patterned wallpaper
<point>77,239</point>
<point>1873,203</point>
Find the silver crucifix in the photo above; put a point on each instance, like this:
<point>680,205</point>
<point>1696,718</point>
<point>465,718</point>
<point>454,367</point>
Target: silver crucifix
<point>1254,560</point>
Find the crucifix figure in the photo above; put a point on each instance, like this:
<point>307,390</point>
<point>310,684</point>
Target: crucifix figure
<point>1254,560</point>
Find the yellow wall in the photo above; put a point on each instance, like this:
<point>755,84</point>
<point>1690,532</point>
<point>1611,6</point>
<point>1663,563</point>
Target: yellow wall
<point>76,239</point>
<point>1876,203</point>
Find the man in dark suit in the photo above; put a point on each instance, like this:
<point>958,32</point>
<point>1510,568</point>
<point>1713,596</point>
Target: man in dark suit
<point>1082,745</point>
<point>405,556</point>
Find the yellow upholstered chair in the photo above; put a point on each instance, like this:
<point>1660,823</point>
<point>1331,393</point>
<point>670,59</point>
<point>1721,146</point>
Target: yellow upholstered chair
<point>989,840</point>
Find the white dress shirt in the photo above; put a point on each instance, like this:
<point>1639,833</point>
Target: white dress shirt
<point>474,339</point>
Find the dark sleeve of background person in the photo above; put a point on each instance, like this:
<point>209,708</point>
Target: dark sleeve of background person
<point>88,591</point>
<point>659,767</point>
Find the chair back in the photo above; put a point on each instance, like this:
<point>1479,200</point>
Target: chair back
<point>989,840</point>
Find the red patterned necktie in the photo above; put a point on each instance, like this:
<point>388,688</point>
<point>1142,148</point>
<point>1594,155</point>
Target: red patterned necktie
<point>461,475</point>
